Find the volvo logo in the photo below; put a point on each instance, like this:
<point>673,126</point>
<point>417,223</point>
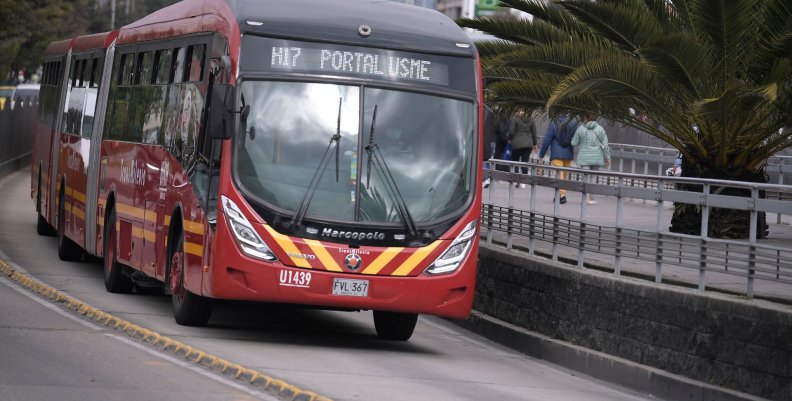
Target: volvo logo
<point>353,261</point>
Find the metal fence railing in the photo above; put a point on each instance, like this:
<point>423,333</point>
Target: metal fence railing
<point>629,237</point>
<point>16,133</point>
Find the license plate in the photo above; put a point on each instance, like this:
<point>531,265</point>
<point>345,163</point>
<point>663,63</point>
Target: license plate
<point>350,287</point>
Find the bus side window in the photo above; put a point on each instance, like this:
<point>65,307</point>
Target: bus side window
<point>162,66</point>
<point>196,59</point>
<point>89,108</point>
<point>143,69</point>
<point>178,66</point>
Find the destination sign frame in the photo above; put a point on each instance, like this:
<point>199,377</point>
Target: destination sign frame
<point>384,65</point>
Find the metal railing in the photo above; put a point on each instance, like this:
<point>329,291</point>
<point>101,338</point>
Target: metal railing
<point>16,134</point>
<point>628,237</point>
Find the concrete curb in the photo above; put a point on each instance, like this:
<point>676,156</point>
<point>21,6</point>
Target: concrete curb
<point>274,386</point>
<point>658,383</point>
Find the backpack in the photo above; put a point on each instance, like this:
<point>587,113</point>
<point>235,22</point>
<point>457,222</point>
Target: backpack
<point>566,133</point>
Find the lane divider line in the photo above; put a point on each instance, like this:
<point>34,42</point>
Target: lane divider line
<point>249,376</point>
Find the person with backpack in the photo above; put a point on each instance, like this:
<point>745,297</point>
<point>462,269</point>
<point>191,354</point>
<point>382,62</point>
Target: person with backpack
<point>523,133</point>
<point>592,143</point>
<point>558,139</point>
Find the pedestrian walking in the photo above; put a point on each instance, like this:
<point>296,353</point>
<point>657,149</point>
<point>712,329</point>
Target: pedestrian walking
<point>592,144</point>
<point>523,134</point>
<point>502,137</point>
<point>558,140</point>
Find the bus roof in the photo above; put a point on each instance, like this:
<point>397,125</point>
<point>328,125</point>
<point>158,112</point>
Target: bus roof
<point>58,48</point>
<point>183,18</point>
<point>95,41</point>
<point>393,25</point>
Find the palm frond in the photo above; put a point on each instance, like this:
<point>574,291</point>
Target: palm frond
<point>627,23</point>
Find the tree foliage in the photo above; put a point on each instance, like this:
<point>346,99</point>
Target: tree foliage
<point>722,66</point>
<point>30,25</point>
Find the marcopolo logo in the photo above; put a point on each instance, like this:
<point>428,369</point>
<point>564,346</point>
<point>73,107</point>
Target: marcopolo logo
<point>328,232</point>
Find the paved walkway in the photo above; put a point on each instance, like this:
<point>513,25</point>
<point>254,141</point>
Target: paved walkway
<point>642,215</point>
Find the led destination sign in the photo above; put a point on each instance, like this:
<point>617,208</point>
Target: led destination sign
<point>380,64</point>
<point>280,55</point>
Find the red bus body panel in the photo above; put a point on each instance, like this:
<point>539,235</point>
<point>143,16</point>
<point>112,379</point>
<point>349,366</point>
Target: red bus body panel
<point>152,194</point>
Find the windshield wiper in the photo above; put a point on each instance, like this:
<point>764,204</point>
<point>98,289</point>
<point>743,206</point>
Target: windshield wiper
<point>375,156</point>
<point>319,172</point>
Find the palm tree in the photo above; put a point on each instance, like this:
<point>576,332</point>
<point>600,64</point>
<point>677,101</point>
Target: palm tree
<point>721,66</point>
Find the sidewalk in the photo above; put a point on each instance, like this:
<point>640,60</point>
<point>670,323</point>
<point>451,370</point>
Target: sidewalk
<point>641,215</point>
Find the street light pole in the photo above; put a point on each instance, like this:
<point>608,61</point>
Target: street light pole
<point>112,14</point>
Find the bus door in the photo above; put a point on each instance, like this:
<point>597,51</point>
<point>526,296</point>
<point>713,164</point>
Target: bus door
<point>55,144</point>
<point>92,196</point>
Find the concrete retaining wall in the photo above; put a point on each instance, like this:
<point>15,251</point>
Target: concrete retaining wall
<point>723,341</point>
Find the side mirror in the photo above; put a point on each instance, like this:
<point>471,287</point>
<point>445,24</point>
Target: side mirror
<point>221,121</point>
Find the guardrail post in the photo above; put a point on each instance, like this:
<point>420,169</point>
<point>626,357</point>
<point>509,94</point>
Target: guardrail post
<point>510,216</point>
<point>619,213</point>
<point>660,221</point>
<point>752,243</point>
<point>556,212</point>
<point>705,211</point>
<point>490,206</point>
<point>532,232</point>
<point>780,182</point>
<point>582,232</point>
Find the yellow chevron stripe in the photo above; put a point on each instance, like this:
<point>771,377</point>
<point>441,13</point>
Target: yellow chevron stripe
<point>78,196</point>
<point>130,211</point>
<point>149,235</point>
<point>167,220</point>
<point>287,245</point>
<point>69,191</point>
<point>193,249</point>
<point>416,258</point>
<point>151,217</point>
<point>77,212</point>
<point>321,252</point>
<point>382,260</point>
<point>193,227</point>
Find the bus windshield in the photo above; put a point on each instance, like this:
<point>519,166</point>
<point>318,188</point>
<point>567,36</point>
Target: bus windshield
<point>426,143</point>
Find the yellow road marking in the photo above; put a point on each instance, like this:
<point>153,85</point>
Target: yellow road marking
<point>165,344</point>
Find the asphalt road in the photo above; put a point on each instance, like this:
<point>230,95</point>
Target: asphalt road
<point>49,354</point>
<point>336,354</point>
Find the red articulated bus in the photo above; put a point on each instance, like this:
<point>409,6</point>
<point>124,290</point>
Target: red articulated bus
<point>295,151</point>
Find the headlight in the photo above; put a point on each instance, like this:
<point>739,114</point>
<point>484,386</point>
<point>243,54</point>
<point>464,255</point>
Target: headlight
<point>245,235</point>
<point>456,253</point>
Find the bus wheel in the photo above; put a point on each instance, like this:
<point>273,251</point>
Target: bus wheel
<point>42,227</point>
<point>115,279</point>
<point>395,326</point>
<point>188,309</point>
<point>67,249</point>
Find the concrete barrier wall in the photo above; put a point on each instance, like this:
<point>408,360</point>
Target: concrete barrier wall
<point>727,342</point>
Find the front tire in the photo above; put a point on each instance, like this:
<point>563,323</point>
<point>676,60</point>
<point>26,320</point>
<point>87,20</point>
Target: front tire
<point>115,279</point>
<point>188,309</point>
<point>68,250</point>
<point>395,326</point>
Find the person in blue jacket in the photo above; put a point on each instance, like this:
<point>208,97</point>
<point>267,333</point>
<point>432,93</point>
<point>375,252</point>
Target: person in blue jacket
<point>558,139</point>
